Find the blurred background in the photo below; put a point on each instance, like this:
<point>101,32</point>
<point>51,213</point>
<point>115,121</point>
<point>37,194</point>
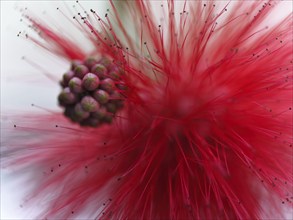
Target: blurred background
<point>23,85</point>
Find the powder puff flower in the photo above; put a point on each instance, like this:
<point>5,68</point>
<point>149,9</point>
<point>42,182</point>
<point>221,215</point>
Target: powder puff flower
<point>180,110</point>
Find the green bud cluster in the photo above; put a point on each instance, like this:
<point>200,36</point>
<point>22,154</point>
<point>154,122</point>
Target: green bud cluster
<point>91,91</point>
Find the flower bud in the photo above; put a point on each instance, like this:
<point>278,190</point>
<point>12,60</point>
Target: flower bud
<point>106,62</point>
<point>67,77</point>
<point>99,70</point>
<point>100,113</point>
<point>66,97</point>
<point>75,85</point>
<point>90,82</point>
<point>80,71</point>
<point>89,104</point>
<point>108,85</point>
<point>101,96</point>
<point>121,86</point>
<point>90,62</point>
<point>75,63</point>
<point>114,74</point>
<point>92,98</point>
<point>79,113</point>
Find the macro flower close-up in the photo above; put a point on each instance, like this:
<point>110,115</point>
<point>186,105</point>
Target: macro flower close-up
<point>150,109</point>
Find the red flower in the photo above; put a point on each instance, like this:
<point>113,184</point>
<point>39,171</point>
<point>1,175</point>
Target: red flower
<point>196,115</point>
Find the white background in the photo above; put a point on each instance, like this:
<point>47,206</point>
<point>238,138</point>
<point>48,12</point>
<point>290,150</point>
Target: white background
<point>20,85</point>
<point>23,84</point>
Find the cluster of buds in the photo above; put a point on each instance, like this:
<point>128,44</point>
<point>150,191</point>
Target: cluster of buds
<point>91,91</point>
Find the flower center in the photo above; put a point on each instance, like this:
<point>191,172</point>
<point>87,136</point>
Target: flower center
<point>91,91</point>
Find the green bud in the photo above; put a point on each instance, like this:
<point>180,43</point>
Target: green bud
<point>75,63</point>
<point>90,62</point>
<point>67,77</point>
<point>106,62</point>
<point>100,113</point>
<point>90,82</point>
<point>108,85</point>
<point>66,97</point>
<point>114,74</point>
<point>99,70</point>
<point>80,71</point>
<point>80,113</point>
<point>75,85</point>
<point>89,104</point>
<point>101,96</point>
